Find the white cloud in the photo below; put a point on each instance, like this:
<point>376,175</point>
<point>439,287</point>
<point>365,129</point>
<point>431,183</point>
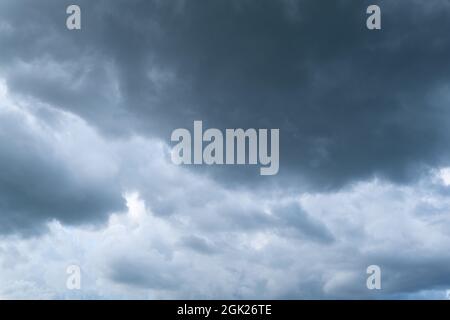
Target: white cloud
<point>201,240</point>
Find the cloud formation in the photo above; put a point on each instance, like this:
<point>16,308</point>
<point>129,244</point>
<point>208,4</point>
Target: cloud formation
<point>51,169</point>
<point>86,179</point>
<point>140,254</point>
<point>351,104</point>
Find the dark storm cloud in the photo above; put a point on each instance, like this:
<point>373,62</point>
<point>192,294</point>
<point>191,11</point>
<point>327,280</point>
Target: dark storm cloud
<point>39,184</point>
<point>351,103</point>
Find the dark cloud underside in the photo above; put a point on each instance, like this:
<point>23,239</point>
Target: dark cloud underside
<point>351,103</point>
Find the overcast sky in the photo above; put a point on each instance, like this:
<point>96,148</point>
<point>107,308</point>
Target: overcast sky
<point>85,170</point>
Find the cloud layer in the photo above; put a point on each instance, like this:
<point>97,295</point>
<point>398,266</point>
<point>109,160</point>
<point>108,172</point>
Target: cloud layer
<point>86,179</point>
<point>350,103</point>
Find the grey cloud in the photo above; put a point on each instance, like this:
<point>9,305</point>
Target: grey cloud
<point>351,104</point>
<point>140,274</point>
<point>296,221</point>
<point>405,274</point>
<point>199,244</point>
<point>38,183</point>
<point>146,255</point>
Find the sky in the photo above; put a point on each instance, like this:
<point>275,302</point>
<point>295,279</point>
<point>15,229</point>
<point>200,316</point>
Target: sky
<point>86,175</point>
